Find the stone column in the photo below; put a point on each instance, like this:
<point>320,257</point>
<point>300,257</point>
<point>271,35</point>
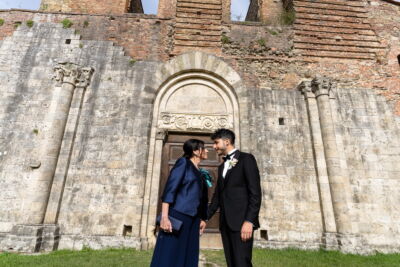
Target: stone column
<point>68,76</point>
<point>339,184</point>
<point>32,235</point>
<point>328,217</point>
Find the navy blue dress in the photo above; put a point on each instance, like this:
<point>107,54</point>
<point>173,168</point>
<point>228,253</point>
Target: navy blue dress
<point>186,192</point>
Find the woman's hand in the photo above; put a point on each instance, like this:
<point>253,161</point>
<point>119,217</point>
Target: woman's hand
<point>165,224</point>
<point>202,226</point>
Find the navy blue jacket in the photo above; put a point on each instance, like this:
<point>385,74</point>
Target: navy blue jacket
<point>186,190</point>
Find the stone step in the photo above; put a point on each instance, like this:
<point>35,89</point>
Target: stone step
<point>211,241</point>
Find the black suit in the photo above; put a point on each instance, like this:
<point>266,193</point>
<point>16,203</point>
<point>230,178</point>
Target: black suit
<point>238,196</point>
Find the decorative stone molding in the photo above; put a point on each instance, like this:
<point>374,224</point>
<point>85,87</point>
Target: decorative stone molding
<point>161,134</point>
<point>202,122</point>
<point>72,73</point>
<point>321,86</point>
<point>305,88</point>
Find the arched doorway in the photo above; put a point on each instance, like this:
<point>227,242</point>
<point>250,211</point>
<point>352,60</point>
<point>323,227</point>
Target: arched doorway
<point>191,102</point>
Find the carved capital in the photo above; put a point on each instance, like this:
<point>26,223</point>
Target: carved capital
<point>321,85</point>
<point>305,88</point>
<point>161,134</point>
<point>73,74</point>
<point>85,77</point>
<point>198,122</point>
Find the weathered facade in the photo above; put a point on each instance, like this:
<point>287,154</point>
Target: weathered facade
<point>85,110</point>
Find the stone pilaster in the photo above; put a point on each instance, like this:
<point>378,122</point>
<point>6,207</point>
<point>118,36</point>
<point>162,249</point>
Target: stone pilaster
<point>329,225</point>
<point>339,183</point>
<point>68,76</point>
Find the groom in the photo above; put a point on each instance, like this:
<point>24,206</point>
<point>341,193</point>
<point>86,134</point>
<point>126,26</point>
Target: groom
<point>238,195</point>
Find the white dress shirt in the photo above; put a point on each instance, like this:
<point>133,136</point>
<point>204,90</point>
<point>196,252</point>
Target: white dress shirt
<point>227,163</point>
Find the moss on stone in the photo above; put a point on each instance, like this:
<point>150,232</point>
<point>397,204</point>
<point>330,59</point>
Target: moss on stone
<point>66,23</point>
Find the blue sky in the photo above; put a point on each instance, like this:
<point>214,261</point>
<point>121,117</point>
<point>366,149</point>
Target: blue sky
<point>239,7</point>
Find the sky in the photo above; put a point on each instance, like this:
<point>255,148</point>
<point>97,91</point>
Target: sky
<point>239,7</point>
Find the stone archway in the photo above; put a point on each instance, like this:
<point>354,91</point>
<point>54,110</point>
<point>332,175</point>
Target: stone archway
<point>190,99</point>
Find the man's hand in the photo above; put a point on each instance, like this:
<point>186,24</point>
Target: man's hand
<point>202,226</point>
<point>247,231</point>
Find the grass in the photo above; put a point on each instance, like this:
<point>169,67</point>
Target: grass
<point>225,39</point>
<point>132,62</point>
<point>262,42</point>
<point>17,24</point>
<point>1,22</point>
<point>86,257</point>
<point>288,17</point>
<point>261,257</point>
<point>301,258</point>
<point>29,23</point>
<point>66,23</point>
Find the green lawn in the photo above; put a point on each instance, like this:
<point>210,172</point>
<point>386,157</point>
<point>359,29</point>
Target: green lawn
<point>301,258</point>
<point>129,257</point>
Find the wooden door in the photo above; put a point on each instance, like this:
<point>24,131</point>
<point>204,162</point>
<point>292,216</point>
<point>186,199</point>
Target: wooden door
<point>172,150</point>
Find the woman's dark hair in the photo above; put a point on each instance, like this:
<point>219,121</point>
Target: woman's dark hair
<point>192,145</point>
<point>224,134</point>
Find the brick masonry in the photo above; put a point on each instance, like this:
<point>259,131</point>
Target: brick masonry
<point>101,170</point>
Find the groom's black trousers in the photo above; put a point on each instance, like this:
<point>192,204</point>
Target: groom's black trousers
<point>237,252</point>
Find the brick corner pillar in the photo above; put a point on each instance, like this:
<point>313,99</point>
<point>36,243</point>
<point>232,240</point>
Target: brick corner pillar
<point>32,232</point>
<point>167,8</point>
<point>270,11</point>
<point>339,184</point>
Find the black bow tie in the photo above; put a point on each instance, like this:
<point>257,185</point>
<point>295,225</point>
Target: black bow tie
<point>228,157</point>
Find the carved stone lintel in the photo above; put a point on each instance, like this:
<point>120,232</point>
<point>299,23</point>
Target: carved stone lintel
<point>321,85</point>
<point>199,122</point>
<point>74,74</point>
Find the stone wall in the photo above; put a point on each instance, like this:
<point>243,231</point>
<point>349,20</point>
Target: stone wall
<point>104,147</point>
<point>134,32</point>
<point>280,139</point>
<point>96,196</point>
<point>86,6</point>
<point>368,133</point>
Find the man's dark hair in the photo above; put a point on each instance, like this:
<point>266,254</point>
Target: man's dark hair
<point>224,134</point>
<point>192,145</point>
